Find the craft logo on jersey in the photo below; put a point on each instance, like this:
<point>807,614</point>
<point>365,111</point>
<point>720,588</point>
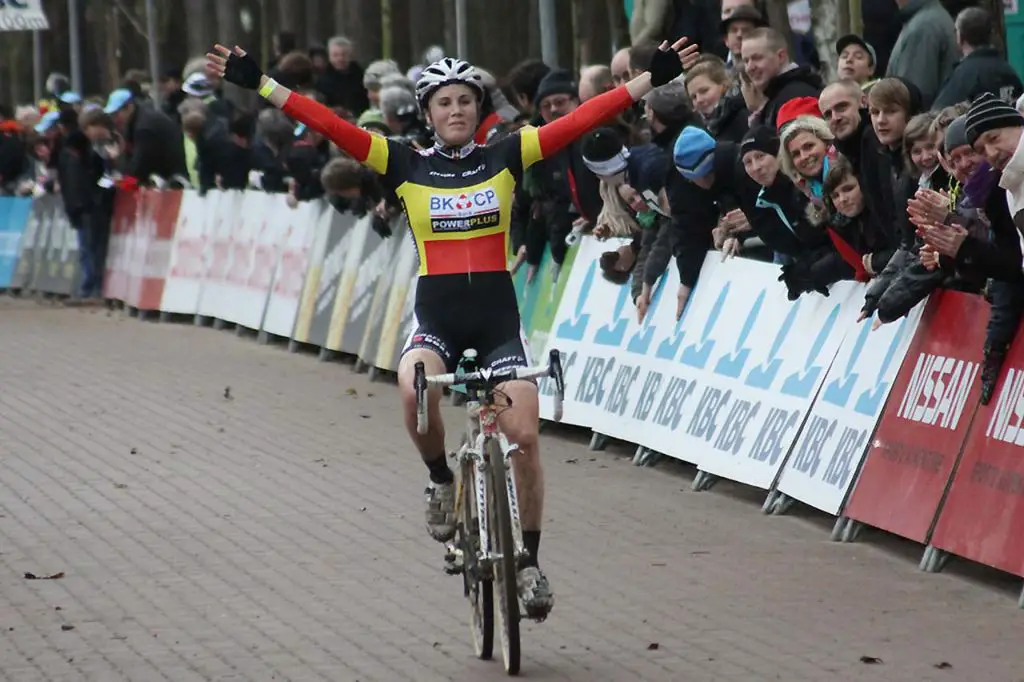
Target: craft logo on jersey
<point>466,211</point>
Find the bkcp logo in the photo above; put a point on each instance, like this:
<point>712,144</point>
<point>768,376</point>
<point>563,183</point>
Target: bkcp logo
<point>869,402</point>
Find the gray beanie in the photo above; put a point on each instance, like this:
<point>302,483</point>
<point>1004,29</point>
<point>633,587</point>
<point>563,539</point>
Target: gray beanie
<point>956,134</point>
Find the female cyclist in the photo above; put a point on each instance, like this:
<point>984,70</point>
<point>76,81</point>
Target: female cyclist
<point>458,196</point>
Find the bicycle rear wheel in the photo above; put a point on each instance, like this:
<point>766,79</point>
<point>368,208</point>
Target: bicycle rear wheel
<point>478,588</point>
<point>505,569</point>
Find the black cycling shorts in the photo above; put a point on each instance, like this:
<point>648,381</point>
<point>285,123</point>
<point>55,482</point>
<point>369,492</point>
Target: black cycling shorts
<point>483,315</point>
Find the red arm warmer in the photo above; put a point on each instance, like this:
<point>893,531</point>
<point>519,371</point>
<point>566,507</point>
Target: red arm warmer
<point>352,140</point>
<point>561,132</point>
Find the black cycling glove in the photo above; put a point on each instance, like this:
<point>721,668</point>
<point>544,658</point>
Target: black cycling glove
<point>665,67</point>
<point>243,72</point>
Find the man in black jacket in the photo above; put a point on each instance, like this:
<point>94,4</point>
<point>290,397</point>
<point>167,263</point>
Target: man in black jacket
<point>87,204</point>
<point>155,144</point>
<point>982,68</point>
<point>342,81</point>
<point>772,71</point>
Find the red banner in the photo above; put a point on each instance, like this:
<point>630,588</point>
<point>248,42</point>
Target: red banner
<point>926,420</point>
<point>984,512</point>
<point>161,221</point>
<point>115,282</point>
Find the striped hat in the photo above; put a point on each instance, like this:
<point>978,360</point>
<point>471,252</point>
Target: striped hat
<point>988,112</point>
<point>694,153</point>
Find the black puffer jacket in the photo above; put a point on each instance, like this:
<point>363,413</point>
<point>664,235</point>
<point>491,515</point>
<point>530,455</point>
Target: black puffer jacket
<point>797,82</point>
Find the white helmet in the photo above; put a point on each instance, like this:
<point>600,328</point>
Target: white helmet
<point>447,71</point>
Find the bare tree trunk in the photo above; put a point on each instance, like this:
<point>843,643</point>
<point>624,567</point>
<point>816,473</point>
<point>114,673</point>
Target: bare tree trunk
<point>229,23</point>
<point>533,32</point>
<point>830,19</point>
<point>371,28</point>
<point>618,27</point>
<point>424,28</point>
<point>778,17</point>
<point>291,17</point>
<point>201,25</point>
<point>401,39</point>
<point>450,38</point>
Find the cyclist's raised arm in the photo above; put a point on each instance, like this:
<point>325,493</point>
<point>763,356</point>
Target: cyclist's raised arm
<point>548,140</point>
<point>235,66</point>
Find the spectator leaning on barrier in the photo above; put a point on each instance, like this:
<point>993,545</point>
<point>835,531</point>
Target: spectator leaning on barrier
<point>274,135</point>
<point>982,69</point>
<point>154,143</point>
<point>234,154</point>
<point>352,187</point>
<point>88,197</point>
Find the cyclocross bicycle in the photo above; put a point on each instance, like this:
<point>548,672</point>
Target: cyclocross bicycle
<point>488,541</point>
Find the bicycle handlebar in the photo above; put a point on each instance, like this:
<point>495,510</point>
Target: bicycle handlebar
<point>486,379</point>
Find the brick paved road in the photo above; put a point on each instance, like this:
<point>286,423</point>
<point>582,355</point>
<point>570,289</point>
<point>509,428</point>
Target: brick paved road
<point>277,536</point>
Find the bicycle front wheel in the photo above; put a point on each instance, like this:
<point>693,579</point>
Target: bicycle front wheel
<point>478,587</point>
<point>505,568</point>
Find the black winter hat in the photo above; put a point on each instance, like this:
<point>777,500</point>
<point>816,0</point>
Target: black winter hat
<point>988,112</point>
<point>603,152</point>
<point>760,138</point>
<point>557,82</point>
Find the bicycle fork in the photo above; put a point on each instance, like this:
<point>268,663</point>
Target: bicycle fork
<point>454,559</point>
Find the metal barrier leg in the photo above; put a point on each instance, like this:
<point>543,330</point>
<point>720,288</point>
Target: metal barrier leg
<point>359,367</point>
<point>325,354</point>
<point>639,454</point>
<point>710,481</point>
<point>926,558</point>
<point>262,338</point>
<point>164,317</point>
<point>1020,602</point>
<point>783,504</point>
<point>373,373</point>
<point>219,324</point>
<point>838,528</point>
<point>598,442</point>
<point>769,502</point>
<point>293,346</point>
<point>144,314</point>
<point>652,458</point>
<point>698,481</point>
<point>852,530</point>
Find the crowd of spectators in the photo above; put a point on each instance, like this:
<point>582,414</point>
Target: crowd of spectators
<point>895,165</point>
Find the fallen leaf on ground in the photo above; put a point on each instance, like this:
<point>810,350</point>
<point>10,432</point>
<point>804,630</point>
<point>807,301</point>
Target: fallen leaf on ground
<point>33,576</point>
<point>227,393</point>
<point>870,660</point>
<point>572,461</point>
<point>653,646</point>
<point>134,451</point>
<point>120,486</point>
<point>351,391</point>
<point>67,627</point>
<point>944,665</point>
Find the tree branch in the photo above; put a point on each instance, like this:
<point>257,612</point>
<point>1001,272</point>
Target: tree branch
<point>139,28</point>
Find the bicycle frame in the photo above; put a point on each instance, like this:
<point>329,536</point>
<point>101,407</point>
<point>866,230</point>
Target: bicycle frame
<point>482,427</point>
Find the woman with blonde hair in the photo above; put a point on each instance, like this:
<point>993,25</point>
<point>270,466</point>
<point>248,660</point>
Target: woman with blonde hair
<point>806,153</point>
<point>720,105</point>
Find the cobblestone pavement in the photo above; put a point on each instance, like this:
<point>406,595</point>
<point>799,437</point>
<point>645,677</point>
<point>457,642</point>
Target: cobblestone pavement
<point>277,535</point>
